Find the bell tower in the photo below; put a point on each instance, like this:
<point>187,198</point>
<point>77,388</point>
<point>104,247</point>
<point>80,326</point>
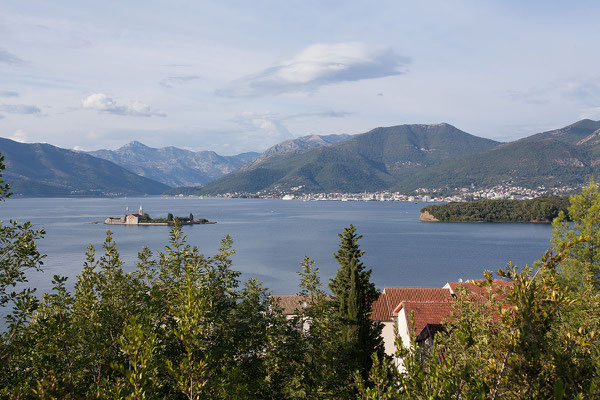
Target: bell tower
<point>141,210</point>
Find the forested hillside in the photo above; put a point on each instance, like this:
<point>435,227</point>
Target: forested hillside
<point>371,161</point>
<point>540,209</point>
<point>405,158</point>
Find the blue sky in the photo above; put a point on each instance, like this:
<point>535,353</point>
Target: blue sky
<point>235,76</point>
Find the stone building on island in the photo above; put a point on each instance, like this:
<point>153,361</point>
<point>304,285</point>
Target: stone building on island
<point>129,219</point>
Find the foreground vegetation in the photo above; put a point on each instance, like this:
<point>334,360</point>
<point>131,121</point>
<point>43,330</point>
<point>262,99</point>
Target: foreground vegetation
<point>182,325</point>
<point>540,209</point>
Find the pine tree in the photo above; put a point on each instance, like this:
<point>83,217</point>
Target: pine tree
<point>353,295</point>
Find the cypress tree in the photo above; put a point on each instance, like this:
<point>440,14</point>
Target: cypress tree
<point>353,295</point>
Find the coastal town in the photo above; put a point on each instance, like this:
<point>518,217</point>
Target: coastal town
<point>503,191</point>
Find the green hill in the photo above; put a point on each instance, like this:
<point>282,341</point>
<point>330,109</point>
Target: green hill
<point>45,170</point>
<point>575,134</point>
<point>375,160</point>
<point>527,163</point>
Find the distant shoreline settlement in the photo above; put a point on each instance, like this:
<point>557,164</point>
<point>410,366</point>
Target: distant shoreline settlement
<point>420,195</point>
<point>141,218</point>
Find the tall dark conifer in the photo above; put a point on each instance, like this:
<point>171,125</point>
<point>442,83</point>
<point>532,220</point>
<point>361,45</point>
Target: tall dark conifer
<point>353,295</point>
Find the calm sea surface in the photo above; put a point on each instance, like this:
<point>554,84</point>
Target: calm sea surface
<point>272,236</point>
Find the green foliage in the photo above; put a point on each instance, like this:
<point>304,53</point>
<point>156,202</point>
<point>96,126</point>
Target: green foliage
<point>535,338</point>
<point>18,255</point>
<point>171,219</point>
<point>353,295</point>
<point>540,209</point>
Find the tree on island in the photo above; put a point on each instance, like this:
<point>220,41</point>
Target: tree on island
<point>353,295</point>
<point>169,217</point>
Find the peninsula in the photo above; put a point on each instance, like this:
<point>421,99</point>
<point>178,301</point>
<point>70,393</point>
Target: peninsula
<point>141,218</point>
<point>540,209</point>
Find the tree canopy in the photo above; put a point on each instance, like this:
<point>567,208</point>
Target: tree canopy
<point>540,209</point>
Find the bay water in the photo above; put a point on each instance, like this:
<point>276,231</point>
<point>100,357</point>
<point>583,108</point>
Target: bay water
<point>272,236</point>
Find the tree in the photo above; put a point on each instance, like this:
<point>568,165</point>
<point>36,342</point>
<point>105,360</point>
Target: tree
<point>353,295</point>
<point>191,217</point>
<point>533,339</point>
<point>322,377</point>
<point>169,217</point>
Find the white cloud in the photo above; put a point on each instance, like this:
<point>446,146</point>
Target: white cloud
<point>102,103</point>
<point>273,125</point>
<point>19,136</point>
<point>268,123</point>
<point>20,109</point>
<point>320,64</point>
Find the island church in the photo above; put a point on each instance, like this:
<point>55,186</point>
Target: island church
<point>129,219</point>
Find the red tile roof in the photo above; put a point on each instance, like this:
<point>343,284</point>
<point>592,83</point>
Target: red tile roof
<point>390,298</point>
<point>477,291</point>
<point>424,313</point>
<point>289,305</point>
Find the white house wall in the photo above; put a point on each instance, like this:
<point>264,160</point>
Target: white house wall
<point>389,338</point>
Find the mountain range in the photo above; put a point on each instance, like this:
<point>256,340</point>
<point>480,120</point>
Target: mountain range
<point>561,157</point>
<point>173,166</point>
<point>298,145</point>
<point>406,157</point>
<point>375,160</point>
<point>41,169</point>
<point>398,158</point>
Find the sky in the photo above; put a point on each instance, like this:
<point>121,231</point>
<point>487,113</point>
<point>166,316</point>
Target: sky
<point>236,76</point>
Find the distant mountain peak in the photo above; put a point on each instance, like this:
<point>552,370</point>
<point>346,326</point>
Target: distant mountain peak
<point>584,123</point>
<point>174,166</point>
<point>134,144</point>
<point>300,144</point>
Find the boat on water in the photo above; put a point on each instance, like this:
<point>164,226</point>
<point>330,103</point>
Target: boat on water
<point>288,197</point>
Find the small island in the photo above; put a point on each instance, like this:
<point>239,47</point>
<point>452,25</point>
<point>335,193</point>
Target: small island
<point>142,218</point>
<point>540,209</point>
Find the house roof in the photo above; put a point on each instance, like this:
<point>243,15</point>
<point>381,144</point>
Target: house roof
<point>289,304</point>
<point>424,313</point>
<point>476,290</point>
<point>390,298</point>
